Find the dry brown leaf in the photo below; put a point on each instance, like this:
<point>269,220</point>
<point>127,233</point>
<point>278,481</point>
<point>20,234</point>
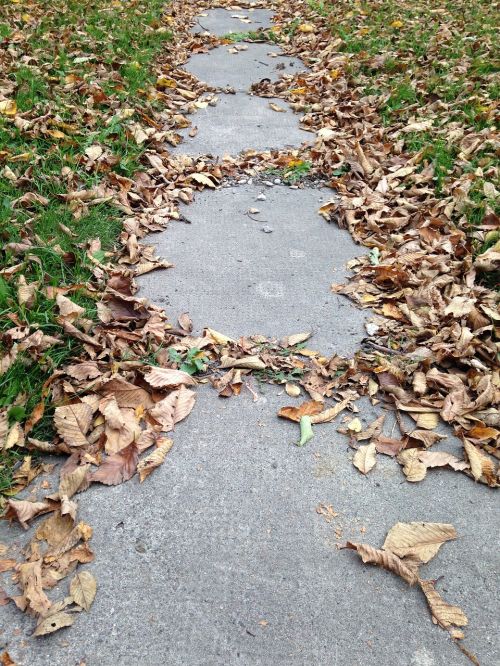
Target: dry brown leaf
<point>308,408</point>
<point>441,459</point>
<point>365,458</point>
<point>247,362</point>
<point>443,613</point>
<point>72,482</point>
<point>83,589</point>
<point>118,467</point>
<point>72,423</point>
<point>30,580</point>
<point>24,510</point>
<point>127,394</point>
<point>413,469</point>
<point>373,430</point>
<point>168,378</point>
<point>331,413</point>
<point>154,459</point>
<point>383,558</point>
<point>292,390</point>
<point>53,623</point>
<point>174,408</point>
<point>481,466</point>
<point>67,309</point>
<point>388,445</point>
<point>420,541</point>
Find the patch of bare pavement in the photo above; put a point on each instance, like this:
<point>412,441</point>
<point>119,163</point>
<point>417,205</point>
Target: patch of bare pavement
<point>228,555</point>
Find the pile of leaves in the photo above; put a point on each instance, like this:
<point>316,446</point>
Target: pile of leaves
<point>94,372</point>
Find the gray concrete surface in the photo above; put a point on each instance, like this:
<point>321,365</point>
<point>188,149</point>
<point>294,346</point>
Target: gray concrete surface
<point>223,67</point>
<point>233,276</point>
<point>220,558</point>
<point>221,22</point>
<point>239,122</point>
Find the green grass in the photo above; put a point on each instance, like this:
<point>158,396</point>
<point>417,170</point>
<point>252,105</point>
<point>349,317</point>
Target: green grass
<point>251,36</point>
<point>108,45</point>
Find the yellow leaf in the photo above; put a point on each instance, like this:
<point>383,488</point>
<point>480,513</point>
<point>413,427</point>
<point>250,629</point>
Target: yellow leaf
<point>306,28</point>
<point>8,107</point>
<point>163,82</point>
<point>397,24</point>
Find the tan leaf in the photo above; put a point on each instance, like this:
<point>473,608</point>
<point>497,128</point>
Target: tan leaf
<point>292,390</point>
<point>218,338</point>
<point>373,430</point>
<point>24,510</point>
<point>426,420</point>
<point>83,589</point>
<point>205,179</point>
<point>387,560</point>
<point>72,482</point>
<point>441,459</point>
<point>127,394</point>
<point>173,408</point>
<point>446,615</point>
<point>365,458</point>
<point>72,423</point>
<point>481,465</point>
<point>418,540</point>
<point>305,409</point>
<point>154,459</point>
<point>67,309</point>
<point>388,445</point>
<point>427,438</point>
<point>85,370</point>
<point>248,362</point>
<point>53,623</point>
<point>26,293</point>
<point>295,339</point>
<point>276,107</point>
<point>419,383</point>
<point>185,322</point>
<point>331,413</point>
<point>413,469</point>
<point>354,426</point>
<point>168,378</point>
<point>30,580</point>
<point>118,467</point>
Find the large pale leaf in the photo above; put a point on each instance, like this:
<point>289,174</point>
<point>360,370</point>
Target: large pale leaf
<point>168,378</point>
<point>305,409</point>
<point>53,623</point>
<point>72,423</point>
<point>173,408</point>
<point>419,540</point>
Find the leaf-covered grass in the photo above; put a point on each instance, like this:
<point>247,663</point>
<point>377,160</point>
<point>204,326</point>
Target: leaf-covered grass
<point>430,60</point>
<point>63,54</point>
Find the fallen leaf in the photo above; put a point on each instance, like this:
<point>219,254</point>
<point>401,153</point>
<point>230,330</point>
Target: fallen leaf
<point>419,540</point>
<point>306,431</point>
<point>365,458</point>
<point>387,560</point>
<point>174,408</point>
<point>413,468</point>
<point>481,465</point>
<point>168,377</point>
<point>72,423</point>
<point>53,623</point>
<point>305,409</point>
<point>154,459</point>
<point>83,589</point>
<point>444,614</point>
<point>118,467</point>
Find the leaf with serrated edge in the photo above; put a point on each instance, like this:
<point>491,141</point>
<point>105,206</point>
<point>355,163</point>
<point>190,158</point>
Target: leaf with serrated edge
<point>413,469</point>
<point>168,378</point>
<point>387,560</point>
<point>481,465</point>
<point>420,540</point>
<point>83,589</point>
<point>173,408</point>
<point>72,423</point>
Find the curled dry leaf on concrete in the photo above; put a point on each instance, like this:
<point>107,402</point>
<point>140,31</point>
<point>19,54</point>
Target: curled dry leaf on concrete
<point>408,546</point>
